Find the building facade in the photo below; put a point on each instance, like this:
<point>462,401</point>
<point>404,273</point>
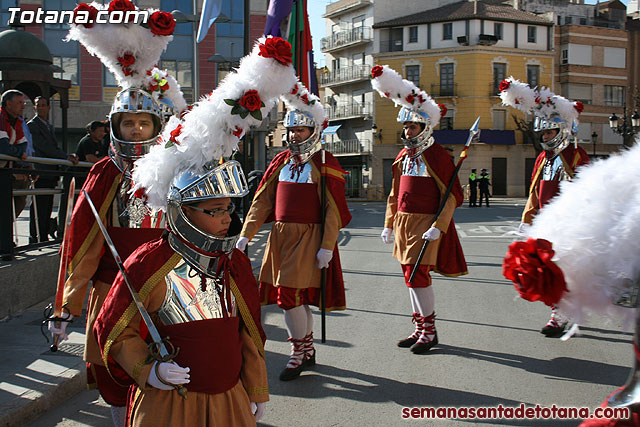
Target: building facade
<point>347,93</point>
<point>459,53</point>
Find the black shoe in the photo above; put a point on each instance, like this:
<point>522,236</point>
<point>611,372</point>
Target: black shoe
<point>554,331</point>
<point>289,374</point>
<point>421,348</point>
<point>407,342</point>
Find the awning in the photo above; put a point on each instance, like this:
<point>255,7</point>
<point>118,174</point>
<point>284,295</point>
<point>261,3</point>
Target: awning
<point>331,130</point>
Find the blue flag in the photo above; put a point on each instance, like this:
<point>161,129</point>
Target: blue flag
<point>210,11</point>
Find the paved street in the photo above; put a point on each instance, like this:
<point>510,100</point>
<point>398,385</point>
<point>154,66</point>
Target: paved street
<point>491,352</point>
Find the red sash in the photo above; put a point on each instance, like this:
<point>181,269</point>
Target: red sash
<point>418,194</point>
<point>126,241</point>
<point>297,203</point>
<point>212,349</point>
<point>548,190</point>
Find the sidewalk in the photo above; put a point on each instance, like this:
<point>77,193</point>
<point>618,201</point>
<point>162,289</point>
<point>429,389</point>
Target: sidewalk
<point>33,380</point>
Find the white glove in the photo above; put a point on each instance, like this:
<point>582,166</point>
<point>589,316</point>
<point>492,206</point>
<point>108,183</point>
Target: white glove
<point>431,234</point>
<point>386,235</point>
<point>523,229</point>
<point>324,256</point>
<point>61,331</point>
<point>258,409</point>
<point>170,372</point>
<point>242,243</point>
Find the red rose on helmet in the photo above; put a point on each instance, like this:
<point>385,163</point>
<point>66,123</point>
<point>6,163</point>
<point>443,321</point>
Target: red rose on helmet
<point>152,87</point>
<point>443,110</point>
<point>121,5</point>
<point>535,276</point>
<point>504,85</point>
<point>162,23</point>
<point>250,100</point>
<point>127,71</point>
<point>410,98</point>
<point>294,90</point>
<point>127,59</point>
<point>174,134</point>
<point>89,11</point>
<point>376,71</point>
<point>579,106</point>
<point>276,48</point>
<point>238,132</point>
<point>305,98</point>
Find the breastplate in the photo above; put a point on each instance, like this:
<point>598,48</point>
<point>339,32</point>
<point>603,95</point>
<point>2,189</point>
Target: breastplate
<point>414,167</point>
<point>185,301</point>
<point>131,211</point>
<point>553,170</point>
<point>301,176</point>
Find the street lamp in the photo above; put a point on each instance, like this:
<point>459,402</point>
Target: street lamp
<point>623,128</point>
<point>594,138</point>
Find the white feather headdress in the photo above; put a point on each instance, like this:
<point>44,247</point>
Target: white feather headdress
<point>128,50</point>
<point>299,98</point>
<point>543,103</point>
<point>594,228</point>
<point>390,84</point>
<point>215,124</point>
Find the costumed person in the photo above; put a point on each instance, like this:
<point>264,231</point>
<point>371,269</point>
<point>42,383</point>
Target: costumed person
<point>421,173</point>
<point>473,189</point>
<point>198,290</point>
<point>581,255</point>
<point>129,51</point>
<point>556,118</point>
<point>301,241</point>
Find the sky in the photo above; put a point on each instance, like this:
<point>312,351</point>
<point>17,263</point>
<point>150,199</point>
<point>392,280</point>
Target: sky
<point>316,8</point>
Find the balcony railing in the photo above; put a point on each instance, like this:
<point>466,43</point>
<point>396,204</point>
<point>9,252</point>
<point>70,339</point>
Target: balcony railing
<point>444,90</point>
<point>353,73</point>
<point>348,111</point>
<point>344,38</point>
<point>349,146</point>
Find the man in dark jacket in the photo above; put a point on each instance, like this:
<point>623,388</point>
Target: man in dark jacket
<point>484,184</point>
<point>44,145</point>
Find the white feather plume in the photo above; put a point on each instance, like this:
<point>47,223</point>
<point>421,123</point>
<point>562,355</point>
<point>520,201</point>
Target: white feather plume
<point>550,105</point>
<point>112,41</point>
<point>517,95</point>
<point>207,131</point>
<point>390,84</point>
<point>299,98</point>
<point>594,228</point>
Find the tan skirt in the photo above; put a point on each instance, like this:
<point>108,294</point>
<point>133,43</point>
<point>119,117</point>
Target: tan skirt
<point>155,407</point>
<point>408,229</point>
<point>290,257</point>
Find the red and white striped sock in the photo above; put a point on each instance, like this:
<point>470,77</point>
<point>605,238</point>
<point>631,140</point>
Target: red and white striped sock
<point>555,317</point>
<point>428,329</point>
<point>297,353</point>
<point>307,346</point>
<point>419,321</point>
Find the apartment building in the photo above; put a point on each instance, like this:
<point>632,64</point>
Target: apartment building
<point>347,93</point>
<point>592,52</point>
<point>459,53</point>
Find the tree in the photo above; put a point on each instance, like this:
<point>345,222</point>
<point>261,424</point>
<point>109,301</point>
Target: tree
<point>528,135</point>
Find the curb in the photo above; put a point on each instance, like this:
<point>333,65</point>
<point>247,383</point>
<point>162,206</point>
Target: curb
<point>31,404</point>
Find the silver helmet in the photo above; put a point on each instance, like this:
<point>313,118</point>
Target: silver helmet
<point>562,138</point>
<point>197,246</point>
<point>423,140</point>
<point>302,151</point>
<point>132,100</point>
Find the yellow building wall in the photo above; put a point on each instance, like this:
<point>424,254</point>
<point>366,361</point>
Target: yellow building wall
<point>473,79</point>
